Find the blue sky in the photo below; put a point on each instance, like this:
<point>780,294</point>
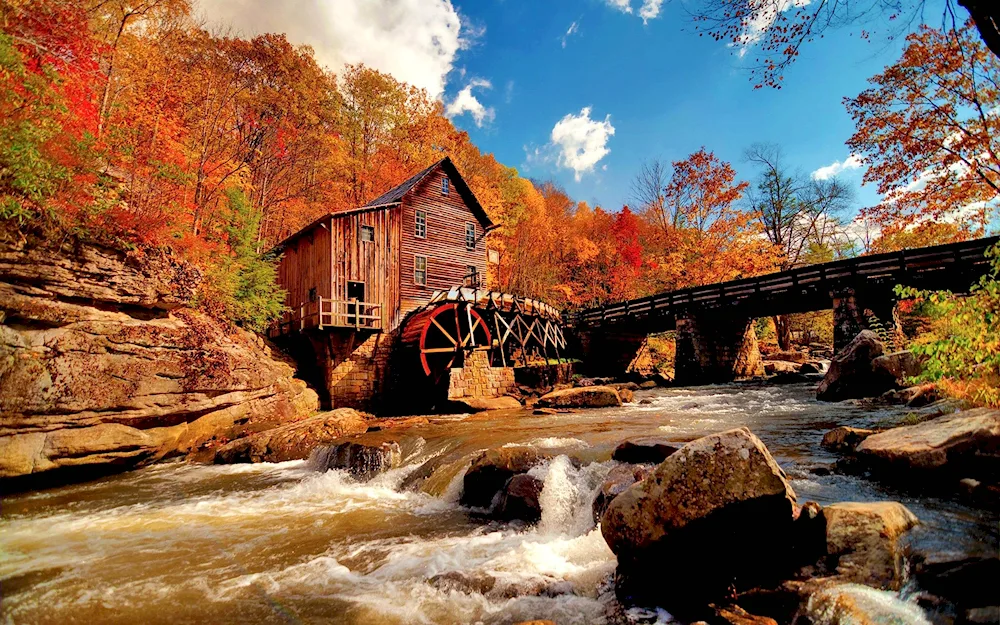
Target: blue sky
<point>668,91</point>
<point>504,74</point>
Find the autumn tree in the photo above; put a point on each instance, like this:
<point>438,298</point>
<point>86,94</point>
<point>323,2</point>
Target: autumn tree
<point>929,131</point>
<point>800,216</point>
<point>779,28</point>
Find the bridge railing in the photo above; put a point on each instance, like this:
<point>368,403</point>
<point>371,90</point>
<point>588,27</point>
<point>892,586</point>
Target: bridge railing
<point>918,262</point>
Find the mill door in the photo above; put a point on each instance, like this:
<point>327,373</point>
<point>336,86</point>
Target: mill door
<point>355,291</point>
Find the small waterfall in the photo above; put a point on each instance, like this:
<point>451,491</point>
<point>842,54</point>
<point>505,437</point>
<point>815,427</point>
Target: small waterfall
<point>854,604</point>
<point>567,498</point>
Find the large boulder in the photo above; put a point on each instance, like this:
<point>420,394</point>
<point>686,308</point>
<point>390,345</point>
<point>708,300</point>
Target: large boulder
<point>103,368</point>
<point>362,461</point>
<point>294,441</point>
<point>478,404</point>
<point>489,472</point>
<point>772,367</point>
<point>851,375</point>
<point>966,443</point>
<point>581,397</point>
<point>720,504</point>
<point>863,541</point>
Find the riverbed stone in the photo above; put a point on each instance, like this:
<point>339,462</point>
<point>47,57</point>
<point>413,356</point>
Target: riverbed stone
<point>772,367</point>
<point>966,443</point>
<point>581,397</point>
<point>294,441</point>
<point>362,461</point>
<point>489,472</point>
<point>645,450</point>
<point>469,583</point>
<point>519,499</point>
<point>845,438</point>
<point>835,603</point>
<point>897,366</point>
<point>725,484</point>
<point>850,375</point>
<point>479,404</point>
<point>735,615</point>
<point>863,539</point>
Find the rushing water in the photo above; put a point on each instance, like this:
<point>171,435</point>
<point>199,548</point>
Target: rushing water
<point>281,543</point>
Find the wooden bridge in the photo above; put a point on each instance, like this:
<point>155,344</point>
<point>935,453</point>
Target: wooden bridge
<point>955,266</point>
<point>713,321</point>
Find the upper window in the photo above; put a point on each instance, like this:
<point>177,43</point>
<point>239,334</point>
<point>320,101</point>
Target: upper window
<point>445,185</point>
<point>366,233</point>
<point>470,237</point>
<point>420,270</point>
<point>420,224</point>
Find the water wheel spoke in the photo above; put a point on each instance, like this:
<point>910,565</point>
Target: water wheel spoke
<point>443,331</point>
<point>437,350</point>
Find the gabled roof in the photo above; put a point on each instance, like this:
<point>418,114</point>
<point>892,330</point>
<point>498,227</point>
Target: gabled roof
<point>395,196</point>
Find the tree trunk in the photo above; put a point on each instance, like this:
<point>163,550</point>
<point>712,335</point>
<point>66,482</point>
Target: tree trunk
<point>784,331</point>
<point>986,15</point>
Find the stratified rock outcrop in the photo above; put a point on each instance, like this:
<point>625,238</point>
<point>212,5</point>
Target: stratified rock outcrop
<point>103,368</point>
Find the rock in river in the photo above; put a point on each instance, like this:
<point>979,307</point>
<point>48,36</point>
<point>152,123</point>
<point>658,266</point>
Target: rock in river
<point>491,470</point>
<point>845,438</point>
<point>720,504</point>
<point>519,499</point>
<point>581,397</point>
<point>851,375</point>
<point>617,481</point>
<point>966,443</point>
<point>647,450</point>
<point>863,540</point>
<point>361,461</point>
<point>294,441</point>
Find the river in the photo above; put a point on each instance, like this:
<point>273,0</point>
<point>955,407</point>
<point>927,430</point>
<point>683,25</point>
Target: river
<point>282,543</point>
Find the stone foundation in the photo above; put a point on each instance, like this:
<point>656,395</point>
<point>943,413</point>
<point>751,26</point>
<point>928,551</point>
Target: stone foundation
<point>610,354</point>
<point>354,366</point>
<point>477,379</point>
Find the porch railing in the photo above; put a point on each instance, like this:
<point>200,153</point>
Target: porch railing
<point>329,313</point>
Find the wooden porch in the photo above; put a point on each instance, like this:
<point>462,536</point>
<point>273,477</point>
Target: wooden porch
<point>325,313</point>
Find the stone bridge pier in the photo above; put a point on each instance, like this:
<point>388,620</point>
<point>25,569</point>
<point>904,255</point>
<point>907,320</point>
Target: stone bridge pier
<point>712,348</point>
<point>609,353</point>
<point>854,311</point>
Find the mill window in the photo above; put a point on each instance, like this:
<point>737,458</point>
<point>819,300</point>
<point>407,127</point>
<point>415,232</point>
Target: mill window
<point>445,185</point>
<point>420,270</point>
<point>367,233</point>
<point>420,224</point>
<point>470,237</point>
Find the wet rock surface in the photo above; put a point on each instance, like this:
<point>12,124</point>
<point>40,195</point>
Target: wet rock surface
<point>618,480</point>
<point>519,499</point>
<point>581,397</point>
<point>491,470</point>
<point>295,441</point>
<point>363,462</point>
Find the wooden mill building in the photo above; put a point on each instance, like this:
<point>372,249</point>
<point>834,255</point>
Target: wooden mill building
<point>353,275</point>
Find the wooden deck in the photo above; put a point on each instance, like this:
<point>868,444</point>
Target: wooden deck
<point>955,266</point>
<point>329,313</point>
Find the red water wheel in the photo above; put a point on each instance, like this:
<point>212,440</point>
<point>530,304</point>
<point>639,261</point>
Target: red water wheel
<point>443,333</point>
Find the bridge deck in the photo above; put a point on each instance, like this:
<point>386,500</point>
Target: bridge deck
<point>955,266</point>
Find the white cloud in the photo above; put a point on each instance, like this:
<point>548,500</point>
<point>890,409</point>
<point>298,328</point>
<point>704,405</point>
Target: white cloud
<point>414,40</point>
<point>650,10</point>
<point>465,102</point>
<point>825,173</point>
<point>581,142</point>
<point>625,6</point>
<point>763,16</point>
<point>573,28</point>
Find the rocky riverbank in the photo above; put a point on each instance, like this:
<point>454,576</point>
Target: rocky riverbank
<point>104,365</point>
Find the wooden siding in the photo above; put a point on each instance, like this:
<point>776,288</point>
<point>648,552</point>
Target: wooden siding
<point>371,262</point>
<point>447,258</point>
<point>305,264</point>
